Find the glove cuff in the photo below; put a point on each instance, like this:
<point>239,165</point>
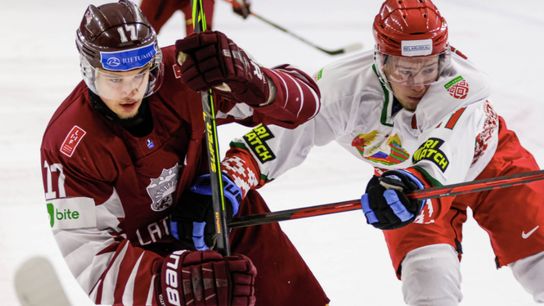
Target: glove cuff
<point>231,191</point>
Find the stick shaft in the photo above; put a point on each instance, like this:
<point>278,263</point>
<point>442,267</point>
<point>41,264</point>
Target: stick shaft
<point>214,165</point>
<point>430,193</point>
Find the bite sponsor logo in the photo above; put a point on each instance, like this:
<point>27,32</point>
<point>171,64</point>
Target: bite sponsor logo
<point>256,140</point>
<point>61,215</point>
<point>430,150</point>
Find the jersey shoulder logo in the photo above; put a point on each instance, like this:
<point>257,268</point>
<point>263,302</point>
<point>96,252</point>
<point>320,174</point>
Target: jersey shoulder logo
<point>430,151</point>
<point>161,189</point>
<point>72,140</point>
<point>256,140</point>
<point>458,87</point>
<point>177,71</point>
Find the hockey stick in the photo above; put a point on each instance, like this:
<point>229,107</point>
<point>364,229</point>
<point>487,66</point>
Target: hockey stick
<point>349,48</point>
<point>37,283</point>
<point>216,180</point>
<point>430,193</point>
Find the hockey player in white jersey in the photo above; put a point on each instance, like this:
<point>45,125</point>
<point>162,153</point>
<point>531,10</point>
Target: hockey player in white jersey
<point>419,112</point>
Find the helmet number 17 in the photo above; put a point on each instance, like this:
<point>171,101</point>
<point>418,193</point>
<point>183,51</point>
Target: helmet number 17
<point>127,29</point>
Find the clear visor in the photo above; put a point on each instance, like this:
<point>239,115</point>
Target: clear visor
<point>123,85</point>
<point>412,71</point>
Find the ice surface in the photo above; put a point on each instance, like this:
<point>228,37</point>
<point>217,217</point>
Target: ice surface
<point>40,67</point>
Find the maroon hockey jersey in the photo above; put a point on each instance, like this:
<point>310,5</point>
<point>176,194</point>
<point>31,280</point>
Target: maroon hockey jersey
<point>109,193</point>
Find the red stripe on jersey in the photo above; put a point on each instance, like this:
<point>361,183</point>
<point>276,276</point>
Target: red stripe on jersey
<point>454,118</point>
<point>126,266</point>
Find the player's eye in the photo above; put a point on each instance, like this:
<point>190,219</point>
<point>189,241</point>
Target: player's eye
<point>115,80</point>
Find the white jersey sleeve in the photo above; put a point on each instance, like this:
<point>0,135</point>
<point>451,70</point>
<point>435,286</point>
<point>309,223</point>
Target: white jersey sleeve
<point>450,137</point>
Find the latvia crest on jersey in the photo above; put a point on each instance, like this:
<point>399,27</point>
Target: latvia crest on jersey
<point>457,88</point>
<point>161,189</point>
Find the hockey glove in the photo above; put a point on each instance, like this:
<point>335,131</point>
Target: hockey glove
<point>385,203</point>
<point>207,278</point>
<point>192,220</point>
<point>241,7</point>
<point>211,59</point>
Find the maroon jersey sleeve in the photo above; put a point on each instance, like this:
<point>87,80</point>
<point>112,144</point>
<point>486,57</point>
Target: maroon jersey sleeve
<point>297,98</point>
<point>296,101</point>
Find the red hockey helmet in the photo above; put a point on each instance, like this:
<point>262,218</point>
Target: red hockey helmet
<point>410,28</point>
<point>117,37</point>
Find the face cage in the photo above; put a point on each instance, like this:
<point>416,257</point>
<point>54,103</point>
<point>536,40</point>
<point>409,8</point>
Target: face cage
<point>89,74</point>
<point>381,60</point>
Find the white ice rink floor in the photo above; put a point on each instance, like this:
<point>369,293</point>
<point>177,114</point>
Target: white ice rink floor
<point>39,67</point>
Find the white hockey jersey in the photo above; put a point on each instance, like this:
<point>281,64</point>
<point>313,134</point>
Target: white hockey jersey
<point>450,137</point>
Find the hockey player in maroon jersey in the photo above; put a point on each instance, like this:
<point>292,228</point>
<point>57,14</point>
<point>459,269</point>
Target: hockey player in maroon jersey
<point>419,112</point>
<point>124,169</point>
<point>158,12</point>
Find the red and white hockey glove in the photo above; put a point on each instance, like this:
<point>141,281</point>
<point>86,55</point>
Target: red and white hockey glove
<point>207,278</point>
<point>211,60</point>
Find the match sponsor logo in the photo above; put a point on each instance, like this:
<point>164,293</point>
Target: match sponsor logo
<point>71,213</point>
<point>458,87</point>
<point>126,60</point>
<point>256,140</point>
<point>72,140</point>
<point>430,150</point>
<point>417,47</point>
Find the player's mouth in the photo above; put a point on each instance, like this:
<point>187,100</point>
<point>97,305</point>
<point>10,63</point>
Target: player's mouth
<point>129,105</point>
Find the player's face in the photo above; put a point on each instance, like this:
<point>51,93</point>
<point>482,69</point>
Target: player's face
<point>410,77</point>
<point>122,92</point>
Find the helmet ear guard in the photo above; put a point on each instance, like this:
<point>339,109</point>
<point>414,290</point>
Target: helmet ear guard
<point>118,37</point>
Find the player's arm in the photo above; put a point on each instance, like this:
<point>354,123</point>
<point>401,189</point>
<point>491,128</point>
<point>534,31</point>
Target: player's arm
<point>85,213</point>
<point>455,151</point>
<point>284,95</point>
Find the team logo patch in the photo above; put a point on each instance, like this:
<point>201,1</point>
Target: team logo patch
<point>72,140</point>
<point>161,189</point>
<point>430,150</point>
<point>381,149</point>
<point>457,88</point>
<point>177,71</point>
<point>256,140</point>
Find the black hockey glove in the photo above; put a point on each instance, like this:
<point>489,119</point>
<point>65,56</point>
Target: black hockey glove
<point>385,203</point>
<point>192,220</point>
